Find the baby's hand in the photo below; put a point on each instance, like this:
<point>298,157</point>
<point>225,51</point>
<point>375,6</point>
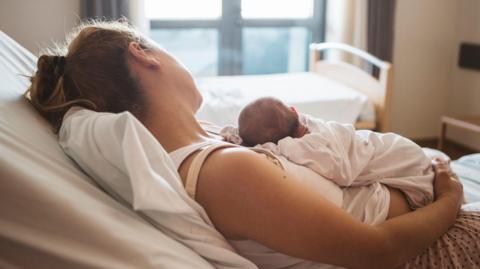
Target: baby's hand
<point>301,130</point>
<point>230,134</point>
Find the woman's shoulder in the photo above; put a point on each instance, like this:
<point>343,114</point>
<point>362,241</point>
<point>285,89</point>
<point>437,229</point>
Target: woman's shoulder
<point>226,179</point>
<point>237,170</point>
<point>231,159</point>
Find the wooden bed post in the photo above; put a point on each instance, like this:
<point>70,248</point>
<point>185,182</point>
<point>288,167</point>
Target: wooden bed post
<point>378,91</point>
<point>386,79</point>
<point>314,58</point>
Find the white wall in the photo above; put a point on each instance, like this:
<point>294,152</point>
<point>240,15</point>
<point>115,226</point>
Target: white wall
<point>423,57</point>
<point>427,80</point>
<point>464,97</point>
<point>36,23</point>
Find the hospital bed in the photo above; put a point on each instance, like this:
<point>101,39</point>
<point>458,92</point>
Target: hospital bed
<point>52,215</point>
<point>331,90</point>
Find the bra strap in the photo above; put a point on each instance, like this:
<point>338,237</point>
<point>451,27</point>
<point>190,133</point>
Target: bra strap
<point>196,165</point>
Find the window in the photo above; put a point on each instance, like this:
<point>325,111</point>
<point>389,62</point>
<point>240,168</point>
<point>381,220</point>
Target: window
<point>231,37</point>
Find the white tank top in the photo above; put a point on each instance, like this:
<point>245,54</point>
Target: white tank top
<point>179,155</point>
<point>262,256</point>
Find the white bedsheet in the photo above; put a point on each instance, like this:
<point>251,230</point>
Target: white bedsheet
<point>468,169</point>
<point>310,93</point>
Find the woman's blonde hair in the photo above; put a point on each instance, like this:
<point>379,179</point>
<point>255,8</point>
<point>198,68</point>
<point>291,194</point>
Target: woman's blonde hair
<point>89,70</point>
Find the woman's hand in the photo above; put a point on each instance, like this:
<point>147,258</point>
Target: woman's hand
<point>446,184</point>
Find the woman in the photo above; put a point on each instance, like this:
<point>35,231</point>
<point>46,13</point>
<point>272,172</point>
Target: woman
<point>110,67</point>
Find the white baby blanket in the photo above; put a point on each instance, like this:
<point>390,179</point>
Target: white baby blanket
<point>360,158</point>
<point>124,158</point>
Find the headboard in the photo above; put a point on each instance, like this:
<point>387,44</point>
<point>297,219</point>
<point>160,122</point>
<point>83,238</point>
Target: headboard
<point>379,91</point>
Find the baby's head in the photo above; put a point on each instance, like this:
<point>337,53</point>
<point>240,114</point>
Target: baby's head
<point>266,120</point>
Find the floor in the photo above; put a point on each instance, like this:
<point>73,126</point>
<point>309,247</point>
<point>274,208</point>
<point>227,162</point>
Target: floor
<point>452,149</point>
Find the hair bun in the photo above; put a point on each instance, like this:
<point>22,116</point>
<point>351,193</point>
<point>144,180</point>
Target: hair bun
<point>59,62</point>
<point>53,65</point>
<point>47,89</point>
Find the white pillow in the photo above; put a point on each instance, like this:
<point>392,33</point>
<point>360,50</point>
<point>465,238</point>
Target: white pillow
<point>131,165</point>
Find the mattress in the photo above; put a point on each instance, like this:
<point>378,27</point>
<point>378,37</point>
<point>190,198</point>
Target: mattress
<point>468,169</point>
<point>310,93</point>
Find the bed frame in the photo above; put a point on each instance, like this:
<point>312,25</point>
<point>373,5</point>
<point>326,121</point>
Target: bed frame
<point>378,90</point>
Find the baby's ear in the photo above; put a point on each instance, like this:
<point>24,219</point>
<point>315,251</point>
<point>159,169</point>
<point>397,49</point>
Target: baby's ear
<point>294,110</point>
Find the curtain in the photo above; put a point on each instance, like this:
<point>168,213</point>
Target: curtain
<point>105,9</point>
<point>380,27</point>
<point>138,16</point>
<point>365,24</point>
<point>133,10</point>
<point>346,22</point>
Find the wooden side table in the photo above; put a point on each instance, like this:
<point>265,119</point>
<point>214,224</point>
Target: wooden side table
<point>470,123</point>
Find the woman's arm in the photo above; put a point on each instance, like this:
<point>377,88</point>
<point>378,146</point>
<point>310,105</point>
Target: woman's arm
<point>246,196</point>
<point>434,219</point>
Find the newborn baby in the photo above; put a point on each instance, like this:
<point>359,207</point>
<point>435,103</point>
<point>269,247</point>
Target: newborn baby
<point>337,151</point>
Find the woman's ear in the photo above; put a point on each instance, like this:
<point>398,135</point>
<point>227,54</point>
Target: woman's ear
<point>142,56</point>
